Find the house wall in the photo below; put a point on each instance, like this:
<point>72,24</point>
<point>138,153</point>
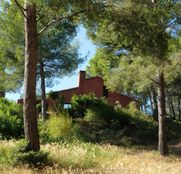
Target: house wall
<point>94,85</point>
<point>123,99</point>
<point>67,94</point>
<point>87,86</point>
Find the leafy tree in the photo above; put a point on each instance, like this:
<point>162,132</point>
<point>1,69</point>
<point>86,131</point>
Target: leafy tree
<point>141,28</point>
<point>58,56</point>
<point>11,119</point>
<point>49,13</point>
<point>173,79</point>
<point>11,45</point>
<point>102,62</point>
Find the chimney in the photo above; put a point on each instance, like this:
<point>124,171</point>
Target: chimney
<point>82,75</point>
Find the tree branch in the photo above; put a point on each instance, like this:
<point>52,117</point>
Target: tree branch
<point>40,18</point>
<point>153,80</point>
<point>53,21</point>
<point>171,23</point>
<point>20,7</point>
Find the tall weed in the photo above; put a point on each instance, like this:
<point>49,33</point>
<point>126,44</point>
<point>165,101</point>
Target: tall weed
<point>59,127</point>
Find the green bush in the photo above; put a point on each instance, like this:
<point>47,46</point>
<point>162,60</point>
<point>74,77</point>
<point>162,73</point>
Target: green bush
<point>80,103</point>
<point>97,110</point>
<point>144,128</point>
<point>133,110</point>
<point>138,128</point>
<point>93,117</point>
<point>59,127</point>
<point>11,119</point>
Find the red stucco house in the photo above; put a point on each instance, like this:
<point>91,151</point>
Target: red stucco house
<point>90,85</point>
<point>94,85</point>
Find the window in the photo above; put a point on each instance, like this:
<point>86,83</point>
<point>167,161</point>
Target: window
<point>67,106</point>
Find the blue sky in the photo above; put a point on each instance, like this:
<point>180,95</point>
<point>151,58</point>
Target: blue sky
<point>86,48</point>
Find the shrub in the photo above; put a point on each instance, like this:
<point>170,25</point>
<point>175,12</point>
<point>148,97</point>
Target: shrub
<point>97,111</point>
<point>59,127</point>
<point>93,116</point>
<point>138,127</point>
<point>145,127</point>
<point>11,119</point>
<point>80,103</point>
<point>133,110</point>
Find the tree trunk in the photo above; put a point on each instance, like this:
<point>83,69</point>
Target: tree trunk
<point>172,108</point>
<point>29,102</point>
<point>141,107</point>
<point>154,104</point>
<point>43,90</point>
<point>162,141</point>
<point>151,102</point>
<point>179,108</point>
<point>169,105</point>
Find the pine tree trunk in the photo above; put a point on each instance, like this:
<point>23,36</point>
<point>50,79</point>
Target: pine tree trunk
<point>179,108</point>
<point>151,102</point>
<point>170,111</point>
<point>169,105</point>
<point>162,141</point>
<point>172,108</point>
<point>43,90</point>
<point>29,102</point>
<point>154,104</point>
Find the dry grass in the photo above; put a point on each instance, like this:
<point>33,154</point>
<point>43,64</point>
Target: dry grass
<point>85,158</point>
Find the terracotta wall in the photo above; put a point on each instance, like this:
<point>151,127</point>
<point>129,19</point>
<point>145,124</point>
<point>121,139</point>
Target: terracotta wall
<point>90,85</point>
<point>86,86</point>
<point>123,99</point>
<point>94,85</point>
<point>68,93</point>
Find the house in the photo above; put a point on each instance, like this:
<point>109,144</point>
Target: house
<point>90,85</point>
<point>94,85</point>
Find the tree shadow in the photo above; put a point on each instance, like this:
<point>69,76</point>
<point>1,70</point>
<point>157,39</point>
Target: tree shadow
<point>175,147</point>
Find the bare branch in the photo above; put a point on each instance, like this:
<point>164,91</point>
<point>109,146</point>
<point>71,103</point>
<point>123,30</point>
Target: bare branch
<point>53,21</point>
<point>20,7</point>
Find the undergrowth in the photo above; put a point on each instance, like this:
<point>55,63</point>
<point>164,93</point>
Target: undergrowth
<point>87,158</point>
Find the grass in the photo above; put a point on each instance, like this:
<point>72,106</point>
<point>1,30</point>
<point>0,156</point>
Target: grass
<point>82,147</point>
<point>86,158</point>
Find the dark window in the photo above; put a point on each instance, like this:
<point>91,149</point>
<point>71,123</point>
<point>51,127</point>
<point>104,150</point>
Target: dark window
<point>105,91</point>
